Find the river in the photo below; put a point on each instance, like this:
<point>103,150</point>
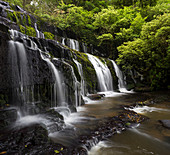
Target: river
<point>150,137</point>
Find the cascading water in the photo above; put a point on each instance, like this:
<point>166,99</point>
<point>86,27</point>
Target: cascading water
<point>58,94</point>
<point>76,86</point>
<point>103,74</point>
<point>39,33</point>
<point>74,44</point>
<point>84,47</point>
<point>25,91</point>
<point>119,74</point>
<point>20,75</point>
<point>63,41</point>
<point>57,85</point>
<point>80,70</point>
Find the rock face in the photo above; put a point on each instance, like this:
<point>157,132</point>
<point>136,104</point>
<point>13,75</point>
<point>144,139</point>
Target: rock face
<point>40,81</point>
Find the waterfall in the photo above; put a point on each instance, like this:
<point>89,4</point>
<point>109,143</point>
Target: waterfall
<point>20,75</point>
<point>57,85</point>
<point>80,70</point>
<point>63,41</point>
<point>84,47</point>
<point>74,44</point>
<point>119,74</point>
<point>39,33</point>
<point>76,86</point>
<point>58,94</point>
<point>103,74</point>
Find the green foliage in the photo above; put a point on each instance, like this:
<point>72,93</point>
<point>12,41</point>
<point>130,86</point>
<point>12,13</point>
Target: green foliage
<point>29,20</point>
<point>105,37</point>
<point>139,28</point>
<point>16,2</point>
<point>150,54</point>
<point>22,29</point>
<point>49,35</point>
<point>140,3</point>
<point>12,16</point>
<point>30,31</point>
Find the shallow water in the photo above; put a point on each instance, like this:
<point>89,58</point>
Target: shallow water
<point>147,139</point>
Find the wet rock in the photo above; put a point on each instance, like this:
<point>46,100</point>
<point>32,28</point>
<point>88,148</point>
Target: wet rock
<point>165,123</point>
<point>95,96</point>
<point>4,5</point>
<point>54,113</point>
<point>18,8</point>
<point>7,117</point>
<point>24,140</point>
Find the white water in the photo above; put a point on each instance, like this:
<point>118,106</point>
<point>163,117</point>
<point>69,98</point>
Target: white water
<point>20,76</point>
<point>80,70</point>
<point>57,85</point>
<point>119,74</point>
<point>103,74</point>
<point>76,86</point>
<point>39,33</point>
<point>74,44</point>
<point>63,41</point>
<point>58,93</point>
<point>146,109</point>
<point>84,47</point>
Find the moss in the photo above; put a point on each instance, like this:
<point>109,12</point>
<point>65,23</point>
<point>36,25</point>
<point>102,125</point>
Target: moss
<point>10,15</point>
<point>88,71</point>
<point>16,17</point>
<point>102,60</point>
<point>30,31</point>
<point>22,18</point>
<point>29,20</point>
<point>49,35</point>
<point>22,29</point>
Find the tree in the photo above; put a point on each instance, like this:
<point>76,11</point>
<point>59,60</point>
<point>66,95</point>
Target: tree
<point>150,54</point>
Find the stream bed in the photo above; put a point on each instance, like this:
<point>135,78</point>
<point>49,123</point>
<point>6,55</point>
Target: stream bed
<point>147,138</point>
<point>150,137</point>
<point>97,128</point>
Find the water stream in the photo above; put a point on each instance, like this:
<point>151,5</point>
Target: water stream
<point>103,74</point>
<point>119,74</point>
<point>149,138</point>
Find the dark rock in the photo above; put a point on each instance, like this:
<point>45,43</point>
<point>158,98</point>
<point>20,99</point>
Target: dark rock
<point>4,5</point>
<point>27,140</point>
<point>165,123</point>
<point>95,96</point>
<point>7,117</point>
<point>18,8</point>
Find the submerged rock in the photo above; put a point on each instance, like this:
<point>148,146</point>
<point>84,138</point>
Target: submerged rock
<point>165,123</point>
<point>95,96</point>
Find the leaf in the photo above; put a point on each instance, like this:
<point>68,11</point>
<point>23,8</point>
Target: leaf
<point>56,151</point>
<point>62,149</point>
<point>3,152</point>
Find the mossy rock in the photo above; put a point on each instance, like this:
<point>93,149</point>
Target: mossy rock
<point>30,31</point>
<point>49,35</point>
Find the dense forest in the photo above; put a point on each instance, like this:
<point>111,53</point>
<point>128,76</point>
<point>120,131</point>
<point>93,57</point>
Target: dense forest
<point>135,33</point>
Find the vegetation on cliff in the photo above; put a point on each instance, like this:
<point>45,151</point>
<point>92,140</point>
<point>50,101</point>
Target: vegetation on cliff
<point>133,32</point>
